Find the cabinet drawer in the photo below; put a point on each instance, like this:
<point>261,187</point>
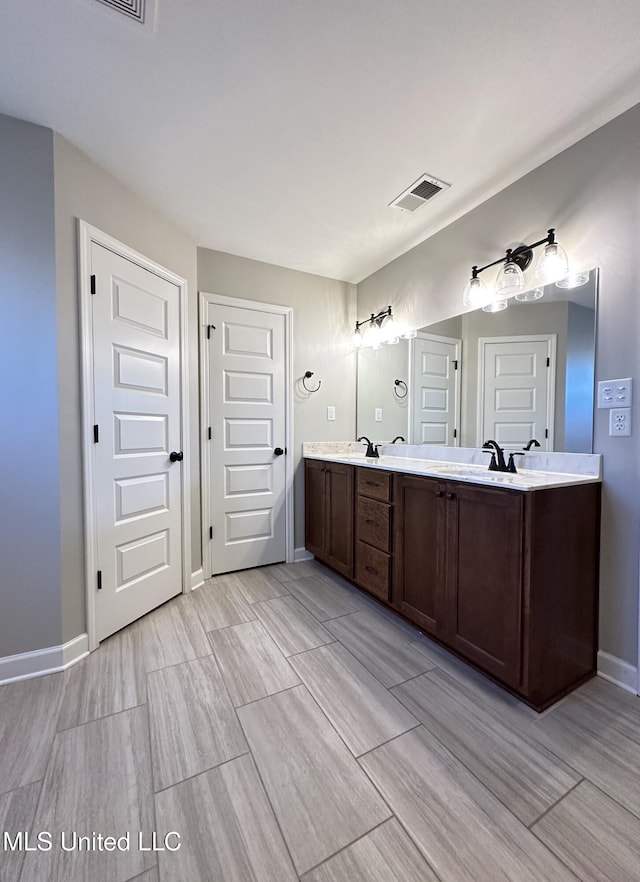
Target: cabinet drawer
<point>374,483</point>
<point>373,569</point>
<point>373,523</point>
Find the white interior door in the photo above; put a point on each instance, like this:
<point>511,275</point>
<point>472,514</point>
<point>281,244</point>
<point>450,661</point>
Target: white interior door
<point>137,399</point>
<point>435,390</point>
<point>246,403</point>
<point>517,382</point>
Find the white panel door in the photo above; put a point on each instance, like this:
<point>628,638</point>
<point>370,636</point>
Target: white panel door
<point>246,383</point>
<point>517,379</point>
<point>435,390</point>
<point>136,342</point>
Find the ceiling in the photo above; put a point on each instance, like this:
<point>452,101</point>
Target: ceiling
<point>281,129</point>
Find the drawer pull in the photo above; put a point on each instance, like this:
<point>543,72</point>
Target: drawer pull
<point>370,521</point>
<point>371,570</point>
<point>438,493</point>
<point>372,484</point>
<point>451,495</point>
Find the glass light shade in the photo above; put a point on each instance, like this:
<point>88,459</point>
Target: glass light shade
<point>390,331</point>
<point>530,295</point>
<point>552,263</point>
<point>510,281</point>
<point>573,280</point>
<point>476,293</point>
<point>373,336</point>
<point>409,334</point>
<point>495,306</point>
<point>357,339</point>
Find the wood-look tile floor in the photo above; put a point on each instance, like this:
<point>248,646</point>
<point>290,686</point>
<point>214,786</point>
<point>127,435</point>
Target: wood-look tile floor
<point>288,728</point>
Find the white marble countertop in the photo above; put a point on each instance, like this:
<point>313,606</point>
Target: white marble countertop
<point>465,464</point>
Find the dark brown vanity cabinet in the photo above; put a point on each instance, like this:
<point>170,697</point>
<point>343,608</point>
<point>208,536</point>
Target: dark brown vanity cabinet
<point>505,578</point>
<point>329,514</point>
<point>458,568</point>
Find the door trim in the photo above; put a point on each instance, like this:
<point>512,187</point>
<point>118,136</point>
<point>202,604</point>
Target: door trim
<point>205,472</point>
<point>551,341</point>
<point>87,235</point>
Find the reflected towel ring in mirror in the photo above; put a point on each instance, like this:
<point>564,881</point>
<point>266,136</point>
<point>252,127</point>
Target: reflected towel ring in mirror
<point>307,376</point>
<point>396,388</point>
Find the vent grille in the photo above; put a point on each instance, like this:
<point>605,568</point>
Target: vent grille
<point>415,196</point>
<point>131,8</point>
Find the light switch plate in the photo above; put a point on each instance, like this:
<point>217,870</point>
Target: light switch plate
<point>620,422</point>
<point>331,412</point>
<point>378,414</point>
<point>615,393</point>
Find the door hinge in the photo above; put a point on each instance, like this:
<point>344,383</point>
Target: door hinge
<point>455,433</point>
<point>210,532</point>
<point>455,364</point>
<point>209,433</point>
<point>209,327</point>
<point>99,580</point>
<point>546,433</point>
<point>96,434</point>
<point>548,361</point>
<point>93,284</point>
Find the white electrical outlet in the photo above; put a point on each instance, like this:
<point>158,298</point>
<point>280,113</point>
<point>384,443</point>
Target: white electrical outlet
<point>331,412</point>
<point>378,414</point>
<point>615,393</point>
<point>620,421</point>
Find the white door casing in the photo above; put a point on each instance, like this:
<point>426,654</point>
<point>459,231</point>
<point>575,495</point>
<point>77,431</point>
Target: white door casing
<point>435,390</point>
<point>516,389</point>
<point>137,521</point>
<point>246,403</point>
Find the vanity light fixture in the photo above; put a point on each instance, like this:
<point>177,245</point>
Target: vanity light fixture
<point>380,329</point>
<point>551,264</point>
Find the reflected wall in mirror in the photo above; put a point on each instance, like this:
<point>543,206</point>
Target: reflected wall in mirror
<point>526,372</point>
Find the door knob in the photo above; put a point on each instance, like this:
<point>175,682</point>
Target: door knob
<point>278,451</point>
<point>176,457</point>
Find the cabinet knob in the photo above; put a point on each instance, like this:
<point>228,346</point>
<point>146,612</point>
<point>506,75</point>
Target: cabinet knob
<point>451,495</point>
<point>438,493</point>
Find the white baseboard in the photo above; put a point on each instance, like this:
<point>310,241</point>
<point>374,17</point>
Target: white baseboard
<point>197,579</point>
<point>43,661</point>
<point>301,554</point>
<point>618,671</point>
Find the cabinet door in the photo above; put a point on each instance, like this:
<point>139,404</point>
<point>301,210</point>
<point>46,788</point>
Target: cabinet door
<point>484,577</point>
<point>315,505</point>
<point>339,518</point>
<point>419,551</point>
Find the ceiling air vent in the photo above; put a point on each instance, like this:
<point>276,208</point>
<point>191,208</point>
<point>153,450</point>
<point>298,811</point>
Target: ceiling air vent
<point>419,192</point>
<point>131,8</point>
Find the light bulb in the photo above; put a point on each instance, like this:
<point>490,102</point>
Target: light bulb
<point>374,336</point>
<point>530,295</point>
<point>552,263</point>
<point>357,339</point>
<point>510,281</point>
<point>476,293</point>
<point>390,331</point>
<point>573,280</point>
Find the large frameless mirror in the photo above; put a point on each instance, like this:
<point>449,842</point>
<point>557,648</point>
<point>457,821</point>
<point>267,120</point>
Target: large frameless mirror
<point>525,372</point>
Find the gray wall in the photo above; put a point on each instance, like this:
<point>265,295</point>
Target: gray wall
<point>84,190</point>
<point>377,370</point>
<point>323,319</point>
<point>30,609</point>
<point>590,193</point>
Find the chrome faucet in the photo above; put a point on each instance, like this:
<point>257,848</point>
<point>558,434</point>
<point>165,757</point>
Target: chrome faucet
<point>497,463</point>
<point>372,449</point>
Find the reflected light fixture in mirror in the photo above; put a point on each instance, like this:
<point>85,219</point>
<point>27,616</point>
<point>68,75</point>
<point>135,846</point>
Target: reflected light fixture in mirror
<point>381,329</point>
<point>573,280</point>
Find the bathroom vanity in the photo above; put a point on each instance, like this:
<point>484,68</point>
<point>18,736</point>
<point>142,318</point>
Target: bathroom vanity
<point>502,569</point>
